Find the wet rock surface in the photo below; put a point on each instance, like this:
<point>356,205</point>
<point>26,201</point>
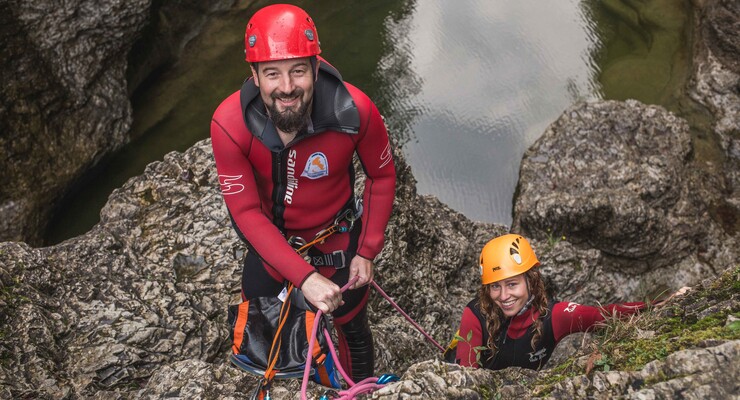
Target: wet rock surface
<point>719,22</point>
<point>716,85</point>
<point>64,94</point>
<point>64,101</point>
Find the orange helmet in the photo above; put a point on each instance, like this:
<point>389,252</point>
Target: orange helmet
<point>504,257</point>
<point>280,32</point>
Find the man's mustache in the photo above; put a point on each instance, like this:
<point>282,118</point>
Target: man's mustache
<point>298,92</point>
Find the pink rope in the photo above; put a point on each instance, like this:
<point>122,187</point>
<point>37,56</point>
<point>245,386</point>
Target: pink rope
<point>314,330</point>
<point>367,385</point>
<point>397,307</point>
<point>333,351</point>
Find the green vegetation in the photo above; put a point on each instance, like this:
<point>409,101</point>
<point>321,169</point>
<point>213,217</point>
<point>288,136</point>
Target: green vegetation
<point>629,344</point>
<point>477,349</point>
<point>489,393</point>
<point>553,239</point>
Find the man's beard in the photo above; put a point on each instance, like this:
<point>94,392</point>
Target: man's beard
<point>289,120</point>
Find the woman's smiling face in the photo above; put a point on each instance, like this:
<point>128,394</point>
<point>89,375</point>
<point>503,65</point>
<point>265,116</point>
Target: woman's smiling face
<point>510,294</point>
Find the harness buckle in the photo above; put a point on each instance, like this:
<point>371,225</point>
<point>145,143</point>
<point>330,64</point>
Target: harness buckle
<point>337,258</point>
<point>340,260</point>
<point>296,242</point>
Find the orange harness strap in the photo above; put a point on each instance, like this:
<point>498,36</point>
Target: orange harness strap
<point>277,341</point>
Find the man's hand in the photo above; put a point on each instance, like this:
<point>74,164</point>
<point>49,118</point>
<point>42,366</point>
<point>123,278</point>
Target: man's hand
<point>322,293</point>
<point>363,269</point>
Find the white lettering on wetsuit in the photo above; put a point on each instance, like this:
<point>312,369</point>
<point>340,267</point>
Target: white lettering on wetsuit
<point>385,156</point>
<point>538,355</point>
<point>228,184</point>
<point>292,181</point>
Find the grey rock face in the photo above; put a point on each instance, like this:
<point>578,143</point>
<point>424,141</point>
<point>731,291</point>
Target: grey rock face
<point>719,22</point>
<point>710,373</point>
<point>64,93</point>
<point>616,179</point>
<point>137,306</point>
<point>715,84</point>
<point>172,24</point>
<point>64,100</point>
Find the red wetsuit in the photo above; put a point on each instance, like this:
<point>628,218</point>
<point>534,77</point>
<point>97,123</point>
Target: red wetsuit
<point>515,347</point>
<point>274,191</point>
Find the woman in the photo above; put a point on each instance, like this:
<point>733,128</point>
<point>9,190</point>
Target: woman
<point>510,322</point>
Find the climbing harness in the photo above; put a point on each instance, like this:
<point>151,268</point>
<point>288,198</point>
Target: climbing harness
<point>343,222</point>
<point>367,385</point>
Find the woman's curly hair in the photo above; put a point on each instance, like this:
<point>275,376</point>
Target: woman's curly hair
<point>495,317</point>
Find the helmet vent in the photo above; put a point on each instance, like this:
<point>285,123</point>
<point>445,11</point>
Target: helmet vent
<point>515,255</point>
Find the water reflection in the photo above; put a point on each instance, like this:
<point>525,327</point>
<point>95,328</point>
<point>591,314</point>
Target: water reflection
<point>493,75</point>
<point>465,86</point>
<point>644,50</point>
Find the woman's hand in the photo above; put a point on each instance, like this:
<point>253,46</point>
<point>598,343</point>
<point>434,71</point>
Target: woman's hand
<point>678,293</point>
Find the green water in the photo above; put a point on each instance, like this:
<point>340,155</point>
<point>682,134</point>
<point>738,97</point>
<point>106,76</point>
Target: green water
<point>465,86</point>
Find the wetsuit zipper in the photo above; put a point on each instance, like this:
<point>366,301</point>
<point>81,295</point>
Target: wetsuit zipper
<point>278,193</point>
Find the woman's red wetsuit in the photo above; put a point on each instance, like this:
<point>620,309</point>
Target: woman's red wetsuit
<point>514,342</point>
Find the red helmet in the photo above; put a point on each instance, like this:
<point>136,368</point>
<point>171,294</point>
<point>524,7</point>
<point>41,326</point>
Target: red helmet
<point>279,32</point>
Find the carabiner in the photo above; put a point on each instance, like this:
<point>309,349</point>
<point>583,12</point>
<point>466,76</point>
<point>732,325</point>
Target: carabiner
<point>329,394</point>
<point>342,216</point>
<point>387,378</point>
<point>257,394</point>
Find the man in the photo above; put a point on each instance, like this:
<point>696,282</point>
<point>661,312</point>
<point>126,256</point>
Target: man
<point>283,147</point>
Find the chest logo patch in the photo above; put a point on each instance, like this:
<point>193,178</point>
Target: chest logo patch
<point>316,167</point>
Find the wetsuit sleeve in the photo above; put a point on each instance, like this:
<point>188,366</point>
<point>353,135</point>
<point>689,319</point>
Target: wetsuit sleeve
<point>571,317</point>
<point>376,156</point>
<point>466,355</point>
<point>239,190</point>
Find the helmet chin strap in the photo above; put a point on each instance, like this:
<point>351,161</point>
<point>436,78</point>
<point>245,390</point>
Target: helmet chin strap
<point>314,67</point>
<point>526,306</point>
<point>529,300</point>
